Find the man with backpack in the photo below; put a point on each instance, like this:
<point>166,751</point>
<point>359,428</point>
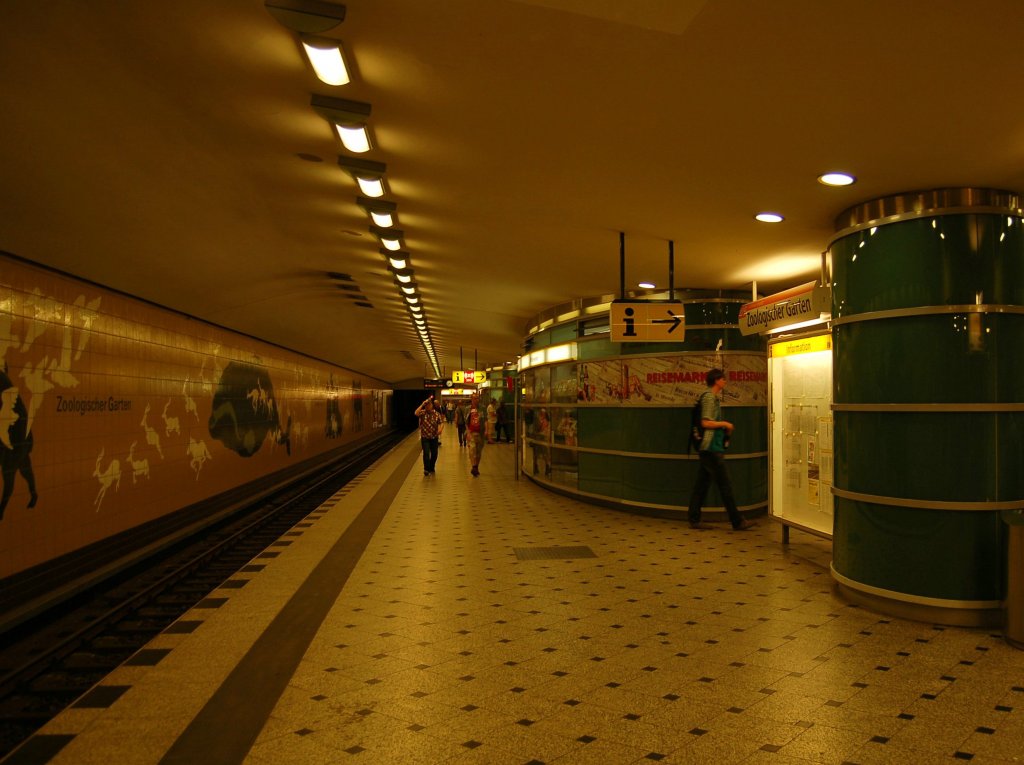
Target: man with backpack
<point>716,434</point>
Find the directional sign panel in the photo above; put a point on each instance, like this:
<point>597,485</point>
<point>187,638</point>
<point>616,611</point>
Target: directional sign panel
<point>633,322</point>
<point>469,376</point>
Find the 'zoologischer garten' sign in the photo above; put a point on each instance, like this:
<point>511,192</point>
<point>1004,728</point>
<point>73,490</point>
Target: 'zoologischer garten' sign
<point>804,303</point>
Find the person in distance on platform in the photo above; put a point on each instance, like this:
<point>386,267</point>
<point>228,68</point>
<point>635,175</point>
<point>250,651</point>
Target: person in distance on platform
<point>501,424</point>
<point>492,420</point>
<point>460,421</point>
<point>712,456</point>
<point>431,425</point>
<point>476,432</point>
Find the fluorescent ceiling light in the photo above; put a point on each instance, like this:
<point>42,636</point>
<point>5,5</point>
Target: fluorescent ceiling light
<point>390,238</point>
<point>408,289</point>
<point>380,211</point>
<point>327,60</point>
<point>836,179</point>
<point>769,217</point>
<point>372,187</point>
<point>646,285</point>
<point>404,278</point>
<point>411,300</point>
<point>355,138</point>
<point>398,263</point>
<point>382,219</point>
<point>349,119</point>
<point>368,174</point>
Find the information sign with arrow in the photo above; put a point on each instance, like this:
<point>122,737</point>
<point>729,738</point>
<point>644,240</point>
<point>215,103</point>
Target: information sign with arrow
<point>647,322</point>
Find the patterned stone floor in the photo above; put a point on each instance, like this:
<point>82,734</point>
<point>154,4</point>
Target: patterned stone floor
<point>667,645</point>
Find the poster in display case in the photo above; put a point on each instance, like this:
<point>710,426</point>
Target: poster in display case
<point>801,446</point>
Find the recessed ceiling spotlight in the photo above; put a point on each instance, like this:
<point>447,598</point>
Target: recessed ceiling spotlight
<point>769,217</point>
<point>646,285</point>
<point>836,179</point>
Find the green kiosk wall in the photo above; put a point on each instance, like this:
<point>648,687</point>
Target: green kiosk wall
<point>610,424</point>
<point>928,329</point>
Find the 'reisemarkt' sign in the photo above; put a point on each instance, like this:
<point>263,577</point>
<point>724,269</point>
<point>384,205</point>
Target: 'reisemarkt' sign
<point>804,303</point>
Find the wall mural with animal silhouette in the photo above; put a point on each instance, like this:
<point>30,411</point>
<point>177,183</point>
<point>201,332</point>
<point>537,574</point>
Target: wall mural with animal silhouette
<point>114,412</point>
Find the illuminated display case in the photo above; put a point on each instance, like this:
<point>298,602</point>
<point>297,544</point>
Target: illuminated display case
<point>801,461</point>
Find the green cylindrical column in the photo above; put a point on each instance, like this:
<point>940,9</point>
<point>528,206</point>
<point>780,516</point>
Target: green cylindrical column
<point>928,327</point>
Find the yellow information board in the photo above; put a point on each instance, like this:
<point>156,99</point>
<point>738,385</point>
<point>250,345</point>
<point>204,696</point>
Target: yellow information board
<point>803,345</point>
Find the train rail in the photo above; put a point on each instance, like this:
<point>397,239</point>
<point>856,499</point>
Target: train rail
<point>46,665</point>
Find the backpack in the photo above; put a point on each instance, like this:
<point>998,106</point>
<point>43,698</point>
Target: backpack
<point>696,425</point>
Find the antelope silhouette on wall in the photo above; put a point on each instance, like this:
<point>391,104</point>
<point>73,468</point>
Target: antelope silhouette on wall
<point>199,453</point>
<point>171,424</point>
<point>140,468</point>
<point>152,437</point>
<point>107,478</point>
<point>190,403</point>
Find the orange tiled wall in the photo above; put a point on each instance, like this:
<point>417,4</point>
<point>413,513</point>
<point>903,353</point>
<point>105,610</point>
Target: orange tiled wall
<point>122,412</point>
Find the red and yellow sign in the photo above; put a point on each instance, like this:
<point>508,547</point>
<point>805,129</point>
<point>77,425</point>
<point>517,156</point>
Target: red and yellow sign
<point>799,305</point>
<point>465,376</point>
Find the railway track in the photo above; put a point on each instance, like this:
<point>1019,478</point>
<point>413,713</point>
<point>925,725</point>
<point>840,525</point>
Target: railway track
<point>48,664</point>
